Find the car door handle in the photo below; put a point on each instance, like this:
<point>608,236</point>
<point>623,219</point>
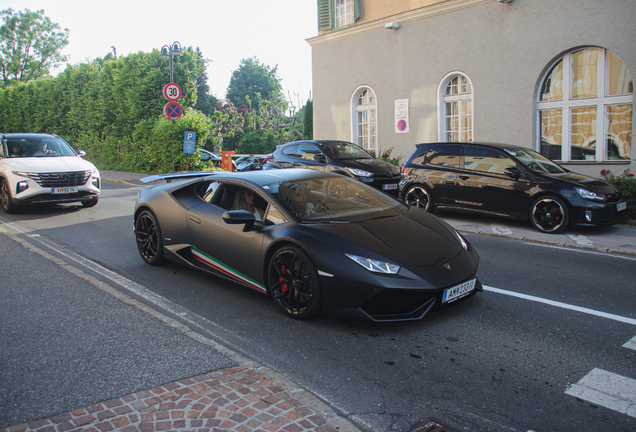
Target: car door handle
<point>194,219</point>
<point>463,177</point>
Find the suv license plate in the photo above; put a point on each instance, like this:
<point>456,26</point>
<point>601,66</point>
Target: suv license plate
<point>389,186</point>
<point>64,190</point>
<point>621,206</point>
<point>458,291</point>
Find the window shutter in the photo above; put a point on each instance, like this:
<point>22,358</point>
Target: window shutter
<point>356,10</point>
<point>325,14</point>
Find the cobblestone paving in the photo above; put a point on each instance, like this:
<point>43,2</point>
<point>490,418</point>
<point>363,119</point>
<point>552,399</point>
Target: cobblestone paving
<point>237,399</point>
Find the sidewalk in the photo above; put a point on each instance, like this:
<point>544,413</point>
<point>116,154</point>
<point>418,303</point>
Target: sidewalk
<point>615,239</point>
<point>83,356</point>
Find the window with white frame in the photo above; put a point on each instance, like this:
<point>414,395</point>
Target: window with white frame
<point>365,119</point>
<point>584,107</point>
<point>343,12</point>
<point>456,116</point>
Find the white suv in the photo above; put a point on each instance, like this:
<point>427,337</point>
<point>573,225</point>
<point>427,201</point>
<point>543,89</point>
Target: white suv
<point>43,168</point>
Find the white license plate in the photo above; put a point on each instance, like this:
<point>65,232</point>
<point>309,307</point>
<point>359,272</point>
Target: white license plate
<point>65,190</point>
<point>389,186</point>
<point>458,291</point>
<point>621,206</point>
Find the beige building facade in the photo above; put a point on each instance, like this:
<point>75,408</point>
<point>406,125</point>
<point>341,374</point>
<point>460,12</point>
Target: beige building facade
<point>553,75</point>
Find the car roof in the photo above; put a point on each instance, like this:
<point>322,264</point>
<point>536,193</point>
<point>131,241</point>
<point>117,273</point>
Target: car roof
<point>319,142</point>
<point>496,145</point>
<point>28,135</point>
<point>260,177</point>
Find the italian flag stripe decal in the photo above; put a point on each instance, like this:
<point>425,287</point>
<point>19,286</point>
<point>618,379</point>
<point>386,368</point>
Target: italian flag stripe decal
<point>206,259</point>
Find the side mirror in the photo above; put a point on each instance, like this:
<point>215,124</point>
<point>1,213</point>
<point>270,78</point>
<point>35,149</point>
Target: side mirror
<point>236,217</point>
<point>81,153</point>
<point>513,173</point>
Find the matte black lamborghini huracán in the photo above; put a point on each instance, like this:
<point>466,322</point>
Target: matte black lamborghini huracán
<point>316,242</point>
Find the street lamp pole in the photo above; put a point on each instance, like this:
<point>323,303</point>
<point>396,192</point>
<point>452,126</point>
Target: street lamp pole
<point>170,51</point>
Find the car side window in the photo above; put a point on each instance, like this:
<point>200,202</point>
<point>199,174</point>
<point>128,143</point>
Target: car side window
<point>274,216</point>
<point>486,160</point>
<point>443,155</point>
<point>290,151</point>
<point>206,190</point>
<point>308,151</point>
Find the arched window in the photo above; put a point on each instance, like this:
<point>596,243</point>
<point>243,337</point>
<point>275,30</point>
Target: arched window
<point>365,107</point>
<point>584,107</point>
<point>456,108</point>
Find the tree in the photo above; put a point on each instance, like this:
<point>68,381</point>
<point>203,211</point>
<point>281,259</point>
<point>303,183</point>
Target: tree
<point>30,45</point>
<point>205,101</point>
<point>250,79</point>
<point>308,122</point>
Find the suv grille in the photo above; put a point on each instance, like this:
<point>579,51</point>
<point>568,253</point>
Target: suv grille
<point>62,179</point>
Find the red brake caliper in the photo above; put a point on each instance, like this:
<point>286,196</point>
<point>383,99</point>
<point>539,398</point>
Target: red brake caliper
<point>283,287</point>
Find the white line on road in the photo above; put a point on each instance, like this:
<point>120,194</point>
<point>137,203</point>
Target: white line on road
<point>607,389</point>
<point>631,344</point>
<point>586,251</point>
<point>562,305</point>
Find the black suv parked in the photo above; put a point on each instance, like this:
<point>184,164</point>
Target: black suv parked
<point>340,157</point>
<point>510,181</point>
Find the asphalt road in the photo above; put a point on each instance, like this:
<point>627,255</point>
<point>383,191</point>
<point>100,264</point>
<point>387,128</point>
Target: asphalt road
<point>498,362</point>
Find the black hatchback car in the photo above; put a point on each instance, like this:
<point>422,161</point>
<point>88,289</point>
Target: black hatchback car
<point>509,181</point>
<point>340,157</point>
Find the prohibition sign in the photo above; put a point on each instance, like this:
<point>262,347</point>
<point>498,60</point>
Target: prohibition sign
<point>172,110</point>
<point>401,125</point>
<point>172,91</point>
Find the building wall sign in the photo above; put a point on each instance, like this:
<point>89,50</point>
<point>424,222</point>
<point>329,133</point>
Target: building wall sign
<point>402,116</point>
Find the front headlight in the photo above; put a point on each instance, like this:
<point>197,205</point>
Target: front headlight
<point>589,195</point>
<point>359,172</point>
<point>463,242</point>
<point>21,174</point>
<point>375,265</point>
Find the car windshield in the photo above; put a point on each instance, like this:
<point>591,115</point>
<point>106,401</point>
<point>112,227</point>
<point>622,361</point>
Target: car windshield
<point>344,150</point>
<point>536,161</point>
<point>35,146</point>
<point>334,200</point>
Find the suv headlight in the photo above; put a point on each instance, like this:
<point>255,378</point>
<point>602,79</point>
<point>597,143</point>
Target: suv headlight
<point>21,174</point>
<point>359,172</point>
<point>589,195</point>
<point>375,265</point>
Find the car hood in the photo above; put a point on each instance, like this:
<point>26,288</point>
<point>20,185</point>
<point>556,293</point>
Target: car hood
<point>375,166</point>
<point>404,240</point>
<point>590,183</point>
<point>50,164</point>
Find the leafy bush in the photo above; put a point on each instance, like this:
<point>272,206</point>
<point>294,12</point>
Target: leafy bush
<point>386,156</point>
<point>626,184</point>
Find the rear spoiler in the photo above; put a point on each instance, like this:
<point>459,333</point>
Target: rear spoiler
<point>170,177</point>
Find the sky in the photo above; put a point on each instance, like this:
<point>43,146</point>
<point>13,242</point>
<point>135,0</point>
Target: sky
<point>226,31</point>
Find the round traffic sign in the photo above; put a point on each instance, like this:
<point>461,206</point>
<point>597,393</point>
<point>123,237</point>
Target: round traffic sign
<point>172,91</point>
<point>172,110</point>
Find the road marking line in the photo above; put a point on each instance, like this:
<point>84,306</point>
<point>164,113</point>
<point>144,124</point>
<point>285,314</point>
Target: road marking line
<point>500,229</point>
<point>631,344</point>
<point>570,249</point>
<point>562,305</point>
<point>607,389</point>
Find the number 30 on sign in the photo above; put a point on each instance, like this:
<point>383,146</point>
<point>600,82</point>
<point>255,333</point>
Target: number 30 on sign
<point>172,92</point>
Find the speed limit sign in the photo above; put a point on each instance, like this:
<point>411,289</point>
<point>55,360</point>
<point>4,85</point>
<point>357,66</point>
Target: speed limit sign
<point>172,92</point>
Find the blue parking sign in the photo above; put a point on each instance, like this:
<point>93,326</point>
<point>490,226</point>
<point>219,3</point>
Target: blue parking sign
<point>189,142</point>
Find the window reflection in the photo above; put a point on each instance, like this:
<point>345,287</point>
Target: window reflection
<point>553,84</point>
<point>584,73</point>
<point>619,80</point>
<point>583,133</point>
<point>618,132</point>
<point>551,136</point>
